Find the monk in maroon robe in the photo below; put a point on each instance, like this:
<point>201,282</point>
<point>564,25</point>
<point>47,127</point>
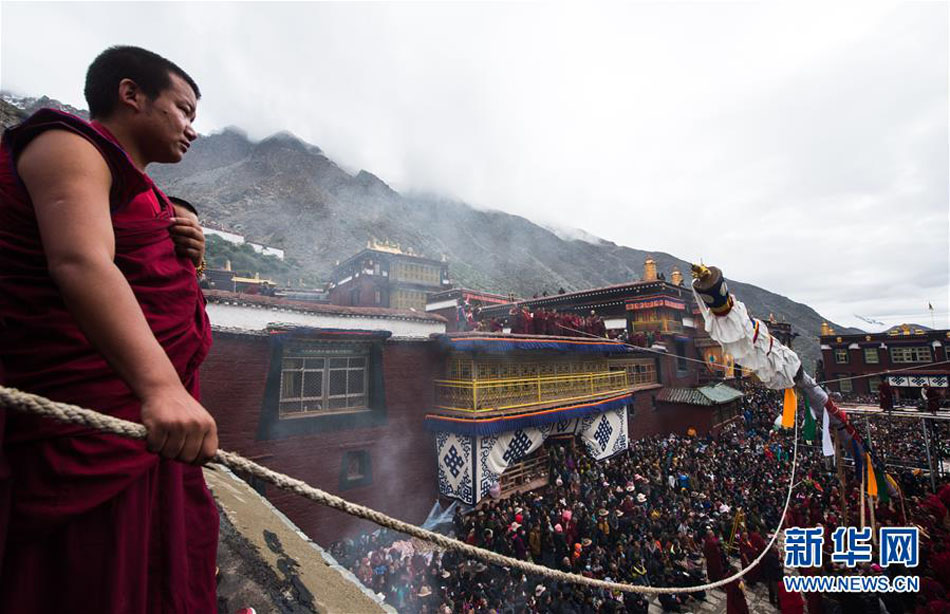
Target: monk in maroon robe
<point>517,321</point>
<point>885,395</point>
<point>751,546</point>
<point>790,602</point>
<point>712,551</point>
<point>933,399</point>
<point>99,307</point>
<point>735,598</point>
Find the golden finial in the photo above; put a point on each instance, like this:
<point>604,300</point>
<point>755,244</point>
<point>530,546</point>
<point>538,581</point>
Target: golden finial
<point>649,269</point>
<point>676,277</point>
<point>700,271</point>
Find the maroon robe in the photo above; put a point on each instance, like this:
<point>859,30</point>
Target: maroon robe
<point>885,395</point>
<point>713,554</point>
<point>933,400</point>
<point>751,548</point>
<point>735,599</point>
<point>940,563</point>
<point>790,602</point>
<point>812,599</point>
<point>98,524</point>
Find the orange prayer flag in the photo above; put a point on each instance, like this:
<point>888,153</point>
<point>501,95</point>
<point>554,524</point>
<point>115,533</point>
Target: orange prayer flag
<point>872,481</point>
<point>789,408</point>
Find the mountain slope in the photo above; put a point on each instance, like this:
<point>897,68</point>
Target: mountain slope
<point>288,193</point>
<point>284,192</point>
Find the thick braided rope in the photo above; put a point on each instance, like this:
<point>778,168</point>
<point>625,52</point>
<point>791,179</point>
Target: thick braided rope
<point>11,398</point>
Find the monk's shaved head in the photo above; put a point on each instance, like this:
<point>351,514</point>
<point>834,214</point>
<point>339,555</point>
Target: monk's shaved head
<point>150,71</point>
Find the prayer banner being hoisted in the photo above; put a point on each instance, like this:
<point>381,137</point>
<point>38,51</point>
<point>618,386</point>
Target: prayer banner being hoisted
<point>747,339</point>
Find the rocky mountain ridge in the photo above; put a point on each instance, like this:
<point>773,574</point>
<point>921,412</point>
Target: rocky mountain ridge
<point>285,192</point>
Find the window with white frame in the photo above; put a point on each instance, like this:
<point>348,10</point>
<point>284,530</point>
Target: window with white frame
<point>845,385</point>
<point>871,357</point>
<point>841,356</point>
<point>321,384</point>
<point>874,383</point>
<point>914,353</point>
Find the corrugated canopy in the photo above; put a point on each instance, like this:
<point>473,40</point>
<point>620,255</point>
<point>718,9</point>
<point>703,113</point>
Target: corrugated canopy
<point>717,394</point>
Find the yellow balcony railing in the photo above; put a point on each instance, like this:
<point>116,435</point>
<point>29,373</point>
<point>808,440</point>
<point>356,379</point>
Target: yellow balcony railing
<point>500,394</point>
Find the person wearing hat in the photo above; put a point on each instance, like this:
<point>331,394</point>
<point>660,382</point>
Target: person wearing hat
<point>603,527</point>
<point>560,542</point>
<point>424,598</point>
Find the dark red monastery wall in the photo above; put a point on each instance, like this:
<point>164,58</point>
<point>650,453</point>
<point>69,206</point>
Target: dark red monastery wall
<point>402,456</point>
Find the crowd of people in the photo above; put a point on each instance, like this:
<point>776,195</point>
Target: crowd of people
<point>541,321</point>
<point>901,442</point>
<point>927,398</point>
<point>661,514</point>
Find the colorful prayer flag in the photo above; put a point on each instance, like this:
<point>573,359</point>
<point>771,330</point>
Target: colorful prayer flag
<point>872,480</point>
<point>810,428</point>
<point>788,410</point>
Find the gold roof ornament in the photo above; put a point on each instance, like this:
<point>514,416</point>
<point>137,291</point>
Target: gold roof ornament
<point>384,246</point>
<point>676,278</point>
<point>649,270</point>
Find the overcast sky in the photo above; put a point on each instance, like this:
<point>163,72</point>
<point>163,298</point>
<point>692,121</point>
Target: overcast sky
<point>801,147</point>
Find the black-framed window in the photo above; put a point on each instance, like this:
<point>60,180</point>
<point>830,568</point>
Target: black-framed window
<point>317,385</point>
<point>356,469</point>
<point>682,365</point>
<point>311,384</point>
<point>841,356</point>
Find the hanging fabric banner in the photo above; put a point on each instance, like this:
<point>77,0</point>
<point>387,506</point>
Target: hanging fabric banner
<point>810,428</point>
<point>604,434</point>
<point>456,457</point>
<point>789,406</point>
<point>470,466</point>
<point>496,452</point>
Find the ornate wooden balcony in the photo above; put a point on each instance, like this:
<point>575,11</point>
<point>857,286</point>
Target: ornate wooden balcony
<point>658,326</point>
<point>479,395</point>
